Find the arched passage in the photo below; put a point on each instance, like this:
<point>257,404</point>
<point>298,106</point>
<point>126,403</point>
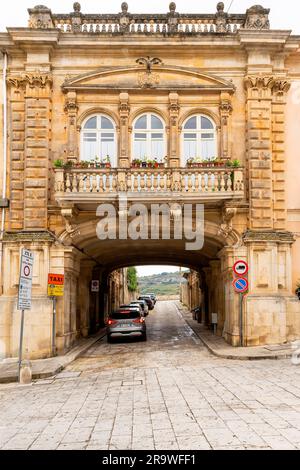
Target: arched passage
<point>98,259</point>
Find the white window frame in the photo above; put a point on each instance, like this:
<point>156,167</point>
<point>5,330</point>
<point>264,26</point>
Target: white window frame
<point>148,131</point>
<point>198,131</point>
<point>99,131</point>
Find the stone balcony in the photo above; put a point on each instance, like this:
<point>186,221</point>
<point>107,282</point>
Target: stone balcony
<point>84,187</point>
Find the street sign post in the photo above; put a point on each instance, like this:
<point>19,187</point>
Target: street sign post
<point>55,289</point>
<point>24,295</point>
<point>241,286</point>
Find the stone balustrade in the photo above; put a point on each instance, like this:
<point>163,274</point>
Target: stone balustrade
<point>211,182</point>
<point>170,23</point>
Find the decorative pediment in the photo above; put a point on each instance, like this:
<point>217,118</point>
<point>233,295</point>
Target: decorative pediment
<point>159,77</point>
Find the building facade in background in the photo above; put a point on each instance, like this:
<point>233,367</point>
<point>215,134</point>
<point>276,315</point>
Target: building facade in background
<point>185,108</point>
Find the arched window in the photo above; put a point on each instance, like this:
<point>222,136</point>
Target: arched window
<point>99,139</point>
<point>149,138</point>
<point>199,138</point>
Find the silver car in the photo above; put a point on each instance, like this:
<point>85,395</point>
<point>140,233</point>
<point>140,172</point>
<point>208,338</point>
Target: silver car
<point>126,323</point>
<point>142,304</point>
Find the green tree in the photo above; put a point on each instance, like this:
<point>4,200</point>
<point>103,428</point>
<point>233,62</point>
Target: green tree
<point>132,281</point>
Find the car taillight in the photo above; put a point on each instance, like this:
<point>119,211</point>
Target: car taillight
<point>111,322</point>
<point>139,320</point>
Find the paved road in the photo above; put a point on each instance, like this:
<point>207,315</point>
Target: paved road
<point>168,393</point>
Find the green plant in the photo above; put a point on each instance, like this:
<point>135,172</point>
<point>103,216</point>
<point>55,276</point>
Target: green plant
<point>236,164</point>
<point>69,164</point>
<point>132,281</point>
<point>58,163</point>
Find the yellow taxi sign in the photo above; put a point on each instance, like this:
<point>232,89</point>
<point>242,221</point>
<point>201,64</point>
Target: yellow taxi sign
<point>56,285</point>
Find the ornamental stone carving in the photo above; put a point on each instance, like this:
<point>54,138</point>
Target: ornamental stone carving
<point>276,85</point>
<point>33,80</point>
<point>221,18</point>
<point>257,17</point>
<point>172,18</point>
<point>40,17</point>
<point>226,228</point>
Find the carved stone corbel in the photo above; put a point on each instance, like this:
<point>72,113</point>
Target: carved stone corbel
<point>228,214</point>
<point>69,213</point>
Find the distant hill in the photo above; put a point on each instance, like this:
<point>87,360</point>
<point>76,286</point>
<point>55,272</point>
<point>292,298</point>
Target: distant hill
<point>160,284</point>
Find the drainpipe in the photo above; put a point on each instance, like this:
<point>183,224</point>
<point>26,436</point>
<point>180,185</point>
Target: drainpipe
<point>4,94</point>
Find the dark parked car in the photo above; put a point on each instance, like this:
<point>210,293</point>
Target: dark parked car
<point>153,297</point>
<point>149,301</point>
<point>126,323</point>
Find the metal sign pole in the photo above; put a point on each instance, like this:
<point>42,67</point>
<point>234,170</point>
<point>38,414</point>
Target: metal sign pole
<point>54,327</point>
<point>21,345</point>
<point>241,321</point>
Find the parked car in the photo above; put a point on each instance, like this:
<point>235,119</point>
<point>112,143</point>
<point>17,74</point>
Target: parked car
<point>143,305</point>
<point>149,301</point>
<point>153,297</point>
<point>130,307</point>
<point>126,322</point>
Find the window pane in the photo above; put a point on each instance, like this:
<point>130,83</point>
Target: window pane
<point>90,137</point>
<point>106,123</point>
<point>91,123</point>
<point>157,149</point>
<point>107,137</point>
<point>190,136</point>
<point>107,148</point>
<point>206,123</point>
<point>190,149</point>
<point>208,149</point>
<point>156,123</point>
<point>207,136</point>
<point>140,149</point>
<point>157,136</point>
<point>140,136</point>
<point>191,123</point>
<point>141,123</point>
<point>89,147</point>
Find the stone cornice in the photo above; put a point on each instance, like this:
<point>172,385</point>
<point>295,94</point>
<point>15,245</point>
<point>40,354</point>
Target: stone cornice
<point>268,236</point>
<point>43,236</point>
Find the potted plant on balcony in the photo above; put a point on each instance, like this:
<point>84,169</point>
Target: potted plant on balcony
<point>68,165</point>
<point>144,163</point>
<point>136,163</point>
<point>58,163</point>
<point>107,162</point>
<point>190,162</point>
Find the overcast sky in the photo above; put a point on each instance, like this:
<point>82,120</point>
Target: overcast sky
<point>284,14</point>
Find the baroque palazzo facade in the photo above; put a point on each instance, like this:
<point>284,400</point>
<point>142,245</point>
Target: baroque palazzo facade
<point>197,108</point>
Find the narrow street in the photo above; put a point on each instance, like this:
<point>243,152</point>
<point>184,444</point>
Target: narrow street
<point>166,393</point>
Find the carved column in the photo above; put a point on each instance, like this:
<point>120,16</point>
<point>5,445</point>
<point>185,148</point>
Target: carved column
<point>259,150</point>
<point>124,110</point>
<point>37,148</point>
<point>71,109</point>
<point>174,158</point>
<point>225,113</point>
<point>17,147</point>
<point>280,89</point>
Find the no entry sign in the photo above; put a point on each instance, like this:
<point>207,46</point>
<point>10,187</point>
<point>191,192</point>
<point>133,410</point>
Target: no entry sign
<point>240,285</point>
<point>240,268</point>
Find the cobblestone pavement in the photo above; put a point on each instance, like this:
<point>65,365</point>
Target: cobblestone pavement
<point>168,393</point>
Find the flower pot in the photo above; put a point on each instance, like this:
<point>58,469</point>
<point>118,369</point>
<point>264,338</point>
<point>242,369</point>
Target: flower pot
<point>144,164</point>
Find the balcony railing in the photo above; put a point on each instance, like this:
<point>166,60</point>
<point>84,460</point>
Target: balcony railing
<point>171,23</point>
<point>89,184</point>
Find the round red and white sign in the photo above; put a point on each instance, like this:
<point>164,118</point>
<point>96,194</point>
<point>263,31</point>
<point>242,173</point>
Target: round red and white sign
<point>26,271</point>
<point>240,268</point>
